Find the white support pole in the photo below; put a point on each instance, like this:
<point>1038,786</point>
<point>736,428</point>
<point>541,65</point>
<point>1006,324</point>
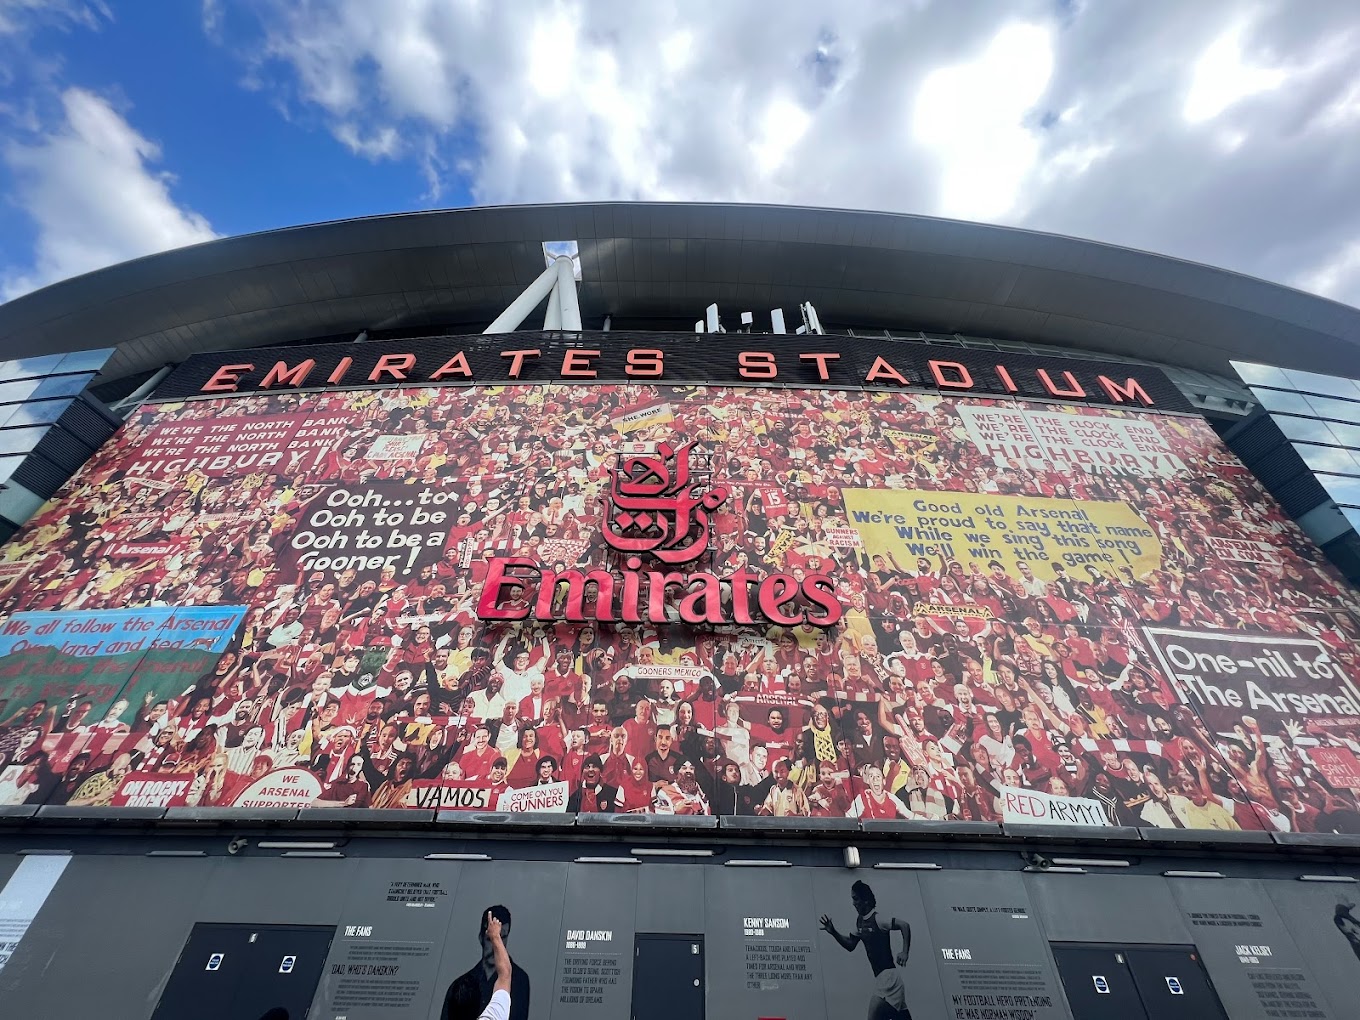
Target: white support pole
<point>566,294</point>
<point>518,309</point>
<point>552,319</point>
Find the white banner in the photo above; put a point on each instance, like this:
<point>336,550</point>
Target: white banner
<point>401,447</point>
<point>1045,440</point>
<point>1030,807</point>
<point>1244,551</point>
<point>548,797</point>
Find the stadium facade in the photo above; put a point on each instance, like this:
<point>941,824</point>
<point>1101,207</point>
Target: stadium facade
<point>811,581</point>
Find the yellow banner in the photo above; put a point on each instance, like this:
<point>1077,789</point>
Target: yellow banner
<point>977,529</point>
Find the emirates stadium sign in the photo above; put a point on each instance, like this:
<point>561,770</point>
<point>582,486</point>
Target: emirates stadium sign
<point>659,506</point>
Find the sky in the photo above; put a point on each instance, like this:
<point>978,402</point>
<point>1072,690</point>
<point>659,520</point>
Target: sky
<point>1221,131</point>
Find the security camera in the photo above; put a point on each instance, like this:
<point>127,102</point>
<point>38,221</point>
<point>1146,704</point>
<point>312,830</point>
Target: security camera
<point>1038,861</point>
<point>237,845</point>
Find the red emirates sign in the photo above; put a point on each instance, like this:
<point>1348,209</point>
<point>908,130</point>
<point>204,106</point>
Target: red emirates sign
<point>659,505</point>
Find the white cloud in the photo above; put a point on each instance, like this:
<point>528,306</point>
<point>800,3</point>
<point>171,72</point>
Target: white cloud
<point>1337,277</point>
<point>973,117</point>
<point>18,16</point>
<point>1220,130</point>
<point>90,188</point>
<point>1223,76</point>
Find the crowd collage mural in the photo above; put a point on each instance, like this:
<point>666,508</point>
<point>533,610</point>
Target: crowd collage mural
<point>678,599</point>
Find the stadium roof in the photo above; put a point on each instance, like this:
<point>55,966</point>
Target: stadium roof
<point>454,270</point>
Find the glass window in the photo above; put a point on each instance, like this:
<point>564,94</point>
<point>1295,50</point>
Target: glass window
<point>19,389</point>
<point>1260,375</point>
<point>1327,458</point>
<point>1352,515</point>
<point>1342,489</point>
<point>1309,430</point>
<point>27,368</point>
<point>70,385</point>
<point>1346,435</point>
<point>9,465</point>
<point>1330,385</point>
<point>1339,410</point>
<point>21,440</point>
<point>1283,400</point>
<point>37,411</point>
<point>85,361</point>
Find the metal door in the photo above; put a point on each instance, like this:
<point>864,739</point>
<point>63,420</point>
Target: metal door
<point>668,977</point>
<point>242,972</point>
<point>1098,983</point>
<point>1173,983</point>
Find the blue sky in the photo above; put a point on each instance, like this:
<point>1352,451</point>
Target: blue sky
<point>1222,131</point>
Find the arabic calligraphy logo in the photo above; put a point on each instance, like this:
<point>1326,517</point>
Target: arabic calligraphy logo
<point>656,506</point>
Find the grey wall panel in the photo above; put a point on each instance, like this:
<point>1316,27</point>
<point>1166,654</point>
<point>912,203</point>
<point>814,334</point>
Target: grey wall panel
<point>1310,913</point>
<point>765,969</point>
<point>389,940</point>
<point>595,960</point>
<point>1258,970</point>
<point>1108,908</point>
<point>993,953</point>
<point>106,940</point>
<point>534,894</point>
<point>848,980</point>
<point>671,898</point>
<point>301,890</point>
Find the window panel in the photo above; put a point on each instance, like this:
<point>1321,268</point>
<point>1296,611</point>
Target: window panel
<point>1308,430</point>
<point>85,361</point>
<point>21,440</point>
<point>1260,375</point>
<point>1283,400</point>
<point>37,412</point>
<point>1341,489</point>
<point>1327,458</point>
<point>66,385</point>
<point>27,368</point>
<point>1331,385</point>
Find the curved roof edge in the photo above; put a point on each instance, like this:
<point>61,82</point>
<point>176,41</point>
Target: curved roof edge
<point>460,267</point>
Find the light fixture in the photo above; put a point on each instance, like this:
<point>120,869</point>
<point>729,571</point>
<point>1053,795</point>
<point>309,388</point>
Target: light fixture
<point>907,866</point>
<point>458,857</point>
<point>758,864</point>
<point>669,852</point>
<point>1326,878</point>
<point>607,860</point>
<point>1193,874</point>
<point>291,844</point>
<point>1092,862</point>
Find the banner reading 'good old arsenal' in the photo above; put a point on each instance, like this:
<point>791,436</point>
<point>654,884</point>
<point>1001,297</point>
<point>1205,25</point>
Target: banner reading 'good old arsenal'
<point>632,595</point>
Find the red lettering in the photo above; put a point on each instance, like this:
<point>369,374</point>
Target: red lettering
<point>517,360</point>
<point>821,359</point>
<point>775,591</point>
<point>456,365</point>
<point>882,370</point>
<point>1004,375</point>
<point>963,380</point>
<point>820,590</point>
<point>1131,389</point>
<point>644,361</point>
<point>1073,387</point>
<point>576,362</point>
<point>704,604</point>
<point>395,365</point>
<point>499,582</point>
<point>756,365</point>
<point>281,373</point>
<point>226,379</point>
<point>340,370</point>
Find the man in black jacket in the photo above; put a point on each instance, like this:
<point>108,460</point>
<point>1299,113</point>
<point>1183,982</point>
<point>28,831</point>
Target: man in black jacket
<point>471,992</point>
<point>593,795</point>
